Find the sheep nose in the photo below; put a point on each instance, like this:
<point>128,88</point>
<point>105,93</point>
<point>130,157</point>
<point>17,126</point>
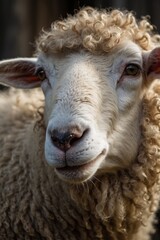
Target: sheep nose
<point>64,140</point>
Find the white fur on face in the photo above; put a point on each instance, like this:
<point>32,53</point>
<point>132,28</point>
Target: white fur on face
<point>92,93</point>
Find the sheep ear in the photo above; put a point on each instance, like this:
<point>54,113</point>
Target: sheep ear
<point>152,64</point>
<point>19,73</point>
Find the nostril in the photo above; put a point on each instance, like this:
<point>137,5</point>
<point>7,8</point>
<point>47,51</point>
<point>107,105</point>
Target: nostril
<point>64,140</point>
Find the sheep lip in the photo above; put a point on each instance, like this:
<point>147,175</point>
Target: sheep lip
<point>78,171</point>
<point>74,172</point>
<point>74,168</point>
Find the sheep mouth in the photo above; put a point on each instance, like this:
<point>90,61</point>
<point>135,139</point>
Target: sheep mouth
<point>76,168</point>
<point>80,173</point>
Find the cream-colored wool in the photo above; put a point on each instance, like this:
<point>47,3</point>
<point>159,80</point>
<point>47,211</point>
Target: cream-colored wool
<point>34,202</point>
<point>97,31</point>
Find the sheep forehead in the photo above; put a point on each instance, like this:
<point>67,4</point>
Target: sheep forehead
<point>81,59</point>
<point>128,49</point>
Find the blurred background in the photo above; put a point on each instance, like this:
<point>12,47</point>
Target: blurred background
<point>22,20</point>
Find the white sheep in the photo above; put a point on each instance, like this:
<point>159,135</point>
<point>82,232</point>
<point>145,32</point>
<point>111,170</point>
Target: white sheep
<point>88,166</point>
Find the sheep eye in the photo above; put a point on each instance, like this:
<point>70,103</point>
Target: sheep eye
<point>41,74</point>
<point>132,70</point>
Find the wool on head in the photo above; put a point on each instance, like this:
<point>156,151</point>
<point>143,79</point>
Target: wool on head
<point>97,31</point>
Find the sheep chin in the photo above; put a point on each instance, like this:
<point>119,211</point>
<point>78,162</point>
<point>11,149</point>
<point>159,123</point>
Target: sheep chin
<point>80,173</point>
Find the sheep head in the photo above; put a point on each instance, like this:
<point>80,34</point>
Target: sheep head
<point>92,104</point>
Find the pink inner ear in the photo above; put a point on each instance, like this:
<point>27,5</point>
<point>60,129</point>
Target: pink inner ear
<point>25,78</point>
<point>154,62</point>
<point>23,72</point>
<point>32,79</point>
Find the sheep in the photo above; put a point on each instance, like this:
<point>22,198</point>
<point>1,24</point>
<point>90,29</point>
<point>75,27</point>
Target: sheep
<point>80,153</point>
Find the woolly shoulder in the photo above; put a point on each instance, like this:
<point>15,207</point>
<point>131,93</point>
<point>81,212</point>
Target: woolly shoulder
<point>19,105</point>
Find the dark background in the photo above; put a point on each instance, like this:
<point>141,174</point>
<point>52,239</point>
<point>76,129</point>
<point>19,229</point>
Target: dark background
<point>22,20</point>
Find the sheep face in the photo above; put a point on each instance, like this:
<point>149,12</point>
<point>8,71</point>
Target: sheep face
<point>92,104</point>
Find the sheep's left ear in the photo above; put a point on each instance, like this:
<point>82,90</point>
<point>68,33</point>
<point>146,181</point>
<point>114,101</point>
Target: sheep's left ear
<point>152,64</point>
<point>19,73</point>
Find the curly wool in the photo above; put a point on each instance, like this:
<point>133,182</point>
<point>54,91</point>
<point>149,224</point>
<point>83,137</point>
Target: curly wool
<point>96,31</point>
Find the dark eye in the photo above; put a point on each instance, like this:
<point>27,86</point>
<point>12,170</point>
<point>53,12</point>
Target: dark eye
<point>132,70</point>
<point>41,74</point>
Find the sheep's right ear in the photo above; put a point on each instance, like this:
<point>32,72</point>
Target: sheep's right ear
<point>19,73</point>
